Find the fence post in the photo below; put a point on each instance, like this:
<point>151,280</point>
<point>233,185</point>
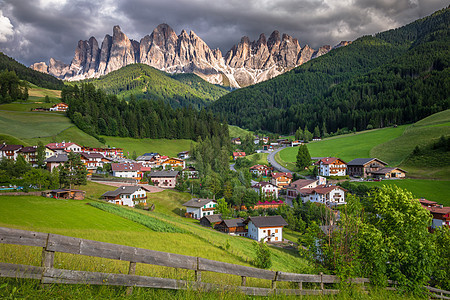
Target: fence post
<point>131,271</point>
<point>300,285</point>
<point>244,280</point>
<point>198,273</point>
<point>321,281</point>
<point>48,257</point>
<point>274,281</point>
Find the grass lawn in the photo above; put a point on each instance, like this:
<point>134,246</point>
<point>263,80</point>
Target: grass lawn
<point>346,147</point>
<point>236,131</point>
<point>141,146</point>
<point>73,134</point>
<point>38,92</point>
<point>258,158</point>
<point>24,106</point>
<point>434,190</point>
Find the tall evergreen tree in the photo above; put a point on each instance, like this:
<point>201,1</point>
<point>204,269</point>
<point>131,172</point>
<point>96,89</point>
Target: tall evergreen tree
<point>303,157</point>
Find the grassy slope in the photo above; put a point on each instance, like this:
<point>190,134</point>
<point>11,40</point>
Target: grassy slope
<point>162,146</point>
<point>434,190</point>
<point>236,131</point>
<point>258,158</point>
<point>347,146</point>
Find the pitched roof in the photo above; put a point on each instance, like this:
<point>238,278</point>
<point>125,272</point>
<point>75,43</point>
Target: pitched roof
<point>427,202</point>
<point>270,202</point>
<point>57,158</point>
<point>238,153</point>
<point>267,221</point>
<point>92,155</point>
<point>387,170</point>
<point>363,161</point>
<point>320,189</point>
<point>60,146</point>
<point>239,222</point>
<point>259,167</point>
<point>262,184</point>
<point>213,218</point>
<point>126,189</point>
<point>163,173</point>
<point>276,175</point>
<point>197,202</point>
<point>11,147</point>
<point>124,167</point>
<point>28,149</point>
<point>300,183</point>
<point>328,160</point>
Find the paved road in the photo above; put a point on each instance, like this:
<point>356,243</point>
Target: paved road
<point>277,166</point>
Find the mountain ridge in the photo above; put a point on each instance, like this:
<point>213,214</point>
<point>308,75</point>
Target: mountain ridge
<point>246,63</point>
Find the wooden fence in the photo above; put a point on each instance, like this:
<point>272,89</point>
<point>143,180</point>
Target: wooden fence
<point>52,243</point>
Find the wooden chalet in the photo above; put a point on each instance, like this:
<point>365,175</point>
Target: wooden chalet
<point>211,220</point>
<point>65,194</point>
<point>364,167</point>
<point>387,173</point>
<point>233,227</point>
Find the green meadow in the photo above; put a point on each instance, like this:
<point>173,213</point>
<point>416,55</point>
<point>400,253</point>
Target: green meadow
<point>236,131</point>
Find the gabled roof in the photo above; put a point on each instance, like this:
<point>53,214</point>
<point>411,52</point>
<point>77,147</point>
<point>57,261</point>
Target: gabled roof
<point>163,173</point>
<point>364,161</point>
<point>259,167</point>
<point>320,189</point>
<point>239,222</point>
<point>57,158</point>
<point>300,183</point>
<point>267,221</point>
<point>262,184</point>
<point>11,147</point>
<point>270,202</point>
<point>124,167</point>
<point>213,218</point>
<point>92,155</point>
<point>126,189</point>
<point>60,146</point>
<point>329,160</point>
<point>31,149</point>
<point>387,170</point>
<point>197,202</point>
<point>238,153</point>
<point>276,175</point>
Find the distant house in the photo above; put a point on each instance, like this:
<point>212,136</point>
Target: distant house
<point>61,148</point>
<point>211,220</point>
<point>190,173</point>
<point>387,173</point>
<point>59,107</point>
<point>30,155</point>
<point>107,152</point>
<point>267,229</point>
<point>364,167</point>
<point>268,204</point>
<point>261,170</point>
<point>332,166</point>
<point>127,170</point>
<point>237,155</point>
<point>49,152</point>
<point>265,139</point>
<point>440,213</point>
<point>293,189</point>
<point>10,151</point>
<point>266,188</point>
<point>233,227</point>
<point>281,180</point>
<point>165,179</point>
<point>236,141</point>
<point>170,163</point>
<point>295,143</point>
<point>94,160</point>
<point>127,195</point>
<point>329,195</point>
<point>316,138</point>
<point>148,156</point>
<point>197,208</point>
<point>269,148</point>
<point>183,155</point>
<point>55,161</point>
<point>65,194</point>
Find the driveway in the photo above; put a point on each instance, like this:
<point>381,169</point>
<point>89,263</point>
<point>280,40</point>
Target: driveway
<point>277,166</point>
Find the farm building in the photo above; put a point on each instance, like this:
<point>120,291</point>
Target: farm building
<point>233,227</point>
<point>387,173</point>
<point>211,220</point>
<point>364,167</point>
<point>197,208</point>
<point>266,229</point>
<point>65,194</point>
<point>127,195</point>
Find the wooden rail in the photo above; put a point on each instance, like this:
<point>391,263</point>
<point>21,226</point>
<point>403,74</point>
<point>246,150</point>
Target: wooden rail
<point>52,243</point>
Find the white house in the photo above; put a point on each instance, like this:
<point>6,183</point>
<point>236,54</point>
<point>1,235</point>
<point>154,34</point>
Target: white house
<point>332,166</point>
<point>61,148</point>
<point>267,229</point>
<point>10,151</point>
<point>266,188</point>
<point>329,195</point>
<point>127,170</point>
<point>127,195</point>
<point>197,208</point>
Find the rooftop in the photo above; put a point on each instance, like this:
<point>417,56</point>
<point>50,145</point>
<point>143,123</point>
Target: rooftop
<point>197,202</point>
<point>267,221</point>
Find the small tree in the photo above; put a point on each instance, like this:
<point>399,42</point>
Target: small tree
<point>222,208</point>
<point>262,258</point>
<point>40,155</point>
<point>303,157</point>
<point>73,172</point>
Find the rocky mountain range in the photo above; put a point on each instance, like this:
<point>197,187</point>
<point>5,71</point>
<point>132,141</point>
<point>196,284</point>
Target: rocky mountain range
<point>246,63</point>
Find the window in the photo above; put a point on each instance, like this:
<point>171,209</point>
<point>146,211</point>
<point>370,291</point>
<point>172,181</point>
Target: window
<point>276,230</point>
<point>276,238</point>
<point>264,231</point>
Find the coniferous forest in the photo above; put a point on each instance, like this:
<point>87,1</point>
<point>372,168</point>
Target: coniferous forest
<point>394,77</point>
<point>97,113</point>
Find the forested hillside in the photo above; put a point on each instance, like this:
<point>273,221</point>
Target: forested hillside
<point>97,113</point>
<point>25,73</point>
<point>141,81</point>
<point>394,77</point>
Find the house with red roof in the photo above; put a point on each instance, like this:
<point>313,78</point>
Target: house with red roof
<point>293,189</point>
<point>237,155</point>
<point>440,213</point>
<point>260,170</point>
<point>281,179</point>
<point>268,204</point>
<point>61,148</point>
<point>266,189</point>
<point>332,166</point>
<point>329,195</point>
<point>127,170</point>
<point>59,107</point>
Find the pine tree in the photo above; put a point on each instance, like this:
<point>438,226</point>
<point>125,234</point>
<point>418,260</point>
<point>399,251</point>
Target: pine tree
<point>316,131</point>
<point>303,157</point>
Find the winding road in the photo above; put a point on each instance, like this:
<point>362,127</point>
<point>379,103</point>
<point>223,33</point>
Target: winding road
<point>272,161</point>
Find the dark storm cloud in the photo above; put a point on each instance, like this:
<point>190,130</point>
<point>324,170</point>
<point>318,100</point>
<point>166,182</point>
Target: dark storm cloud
<point>51,28</point>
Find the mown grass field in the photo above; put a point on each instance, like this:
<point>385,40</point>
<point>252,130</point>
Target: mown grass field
<point>258,158</point>
<point>434,190</point>
<point>348,146</point>
<point>236,131</point>
<point>37,93</point>
<point>141,146</point>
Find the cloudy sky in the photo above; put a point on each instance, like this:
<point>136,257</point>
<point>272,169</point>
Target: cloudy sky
<point>35,30</point>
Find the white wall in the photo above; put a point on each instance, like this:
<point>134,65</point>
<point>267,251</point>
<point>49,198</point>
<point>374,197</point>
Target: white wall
<point>258,233</point>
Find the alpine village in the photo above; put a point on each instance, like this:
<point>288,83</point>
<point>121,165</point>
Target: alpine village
<point>163,169</point>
